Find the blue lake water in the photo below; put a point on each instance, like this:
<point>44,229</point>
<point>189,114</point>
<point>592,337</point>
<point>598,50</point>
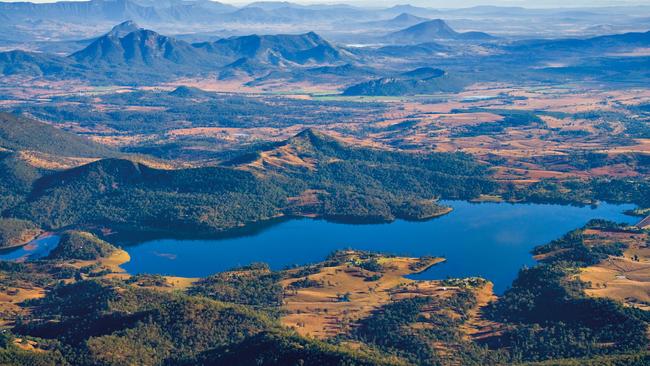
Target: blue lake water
<point>490,240</point>
<point>38,248</point>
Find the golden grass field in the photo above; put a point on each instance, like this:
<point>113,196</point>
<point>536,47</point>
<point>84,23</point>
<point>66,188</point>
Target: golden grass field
<point>625,278</point>
<point>319,312</point>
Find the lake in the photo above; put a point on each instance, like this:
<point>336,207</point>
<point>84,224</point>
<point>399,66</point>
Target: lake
<point>38,248</point>
<point>490,240</point>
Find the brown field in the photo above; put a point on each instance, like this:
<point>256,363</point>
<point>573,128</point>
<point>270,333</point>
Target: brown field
<point>47,161</point>
<point>11,297</point>
<point>319,311</point>
<point>625,278</point>
<point>641,146</point>
<point>121,140</point>
<point>112,263</point>
<point>477,326</point>
<point>27,345</point>
<point>180,283</point>
<point>433,131</point>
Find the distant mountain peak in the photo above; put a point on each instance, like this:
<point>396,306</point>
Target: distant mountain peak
<point>436,25</point>
<point>311,133</point>
<point>124,28</point>
<point>306,150</point>
<point>185,91</point>
<point>315,37</point>
<point>431,30</point>
<point>281,49</point>
<point>406,17</point>
<point>140,48</point>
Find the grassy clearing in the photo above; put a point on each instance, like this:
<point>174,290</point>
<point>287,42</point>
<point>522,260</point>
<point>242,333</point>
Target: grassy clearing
<point>625,278</point>
<point>338,296</point>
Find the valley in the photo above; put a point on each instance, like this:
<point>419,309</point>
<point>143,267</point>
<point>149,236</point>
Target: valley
<point>188,182</point>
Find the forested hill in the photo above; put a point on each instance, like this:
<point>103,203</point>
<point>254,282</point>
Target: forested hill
<point>29,149</point>
<point>19,133</point>
<point>314,149</point>
<point>309,174</point>
<point>322,176</point>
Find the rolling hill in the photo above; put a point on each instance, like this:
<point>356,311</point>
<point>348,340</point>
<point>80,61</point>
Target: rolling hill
<point>424,80</point>
<point>355,184</point>
<point>37,64</point>
<point>19,134</point>
<point>26,146</point>
<point>595,45</point>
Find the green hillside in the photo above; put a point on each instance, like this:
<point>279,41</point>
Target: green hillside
<point>20,133</point>
<point>357,184</point>
<point>82,246</point>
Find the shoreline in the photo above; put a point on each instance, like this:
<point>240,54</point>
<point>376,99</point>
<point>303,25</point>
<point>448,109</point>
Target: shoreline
<point>247,229</point>
<point>434,262</point>
<point>39,236</point>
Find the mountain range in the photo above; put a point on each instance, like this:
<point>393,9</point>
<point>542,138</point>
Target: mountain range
<point>117,10</point>
<point>129,52</point>
<point>177,11</point>
<point>301,49</point>
<point>73,20</point>
<point>610,43</point>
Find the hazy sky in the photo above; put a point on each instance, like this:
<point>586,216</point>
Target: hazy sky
<point>447,3</point>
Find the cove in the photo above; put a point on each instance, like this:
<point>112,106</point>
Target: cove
<point>36,249</point>
<point>490,240</point>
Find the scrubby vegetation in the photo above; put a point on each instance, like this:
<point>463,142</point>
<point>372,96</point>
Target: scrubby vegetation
<point>402,329</point>
<point>12,355</point>
<point>233,317</point>
<point>249,286</point>
<point>94,318</point>
<point>510,118</point>
<point>636,359</point>
<point>16,179</point>
<point>206,110</point>
<point>122,192</point>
